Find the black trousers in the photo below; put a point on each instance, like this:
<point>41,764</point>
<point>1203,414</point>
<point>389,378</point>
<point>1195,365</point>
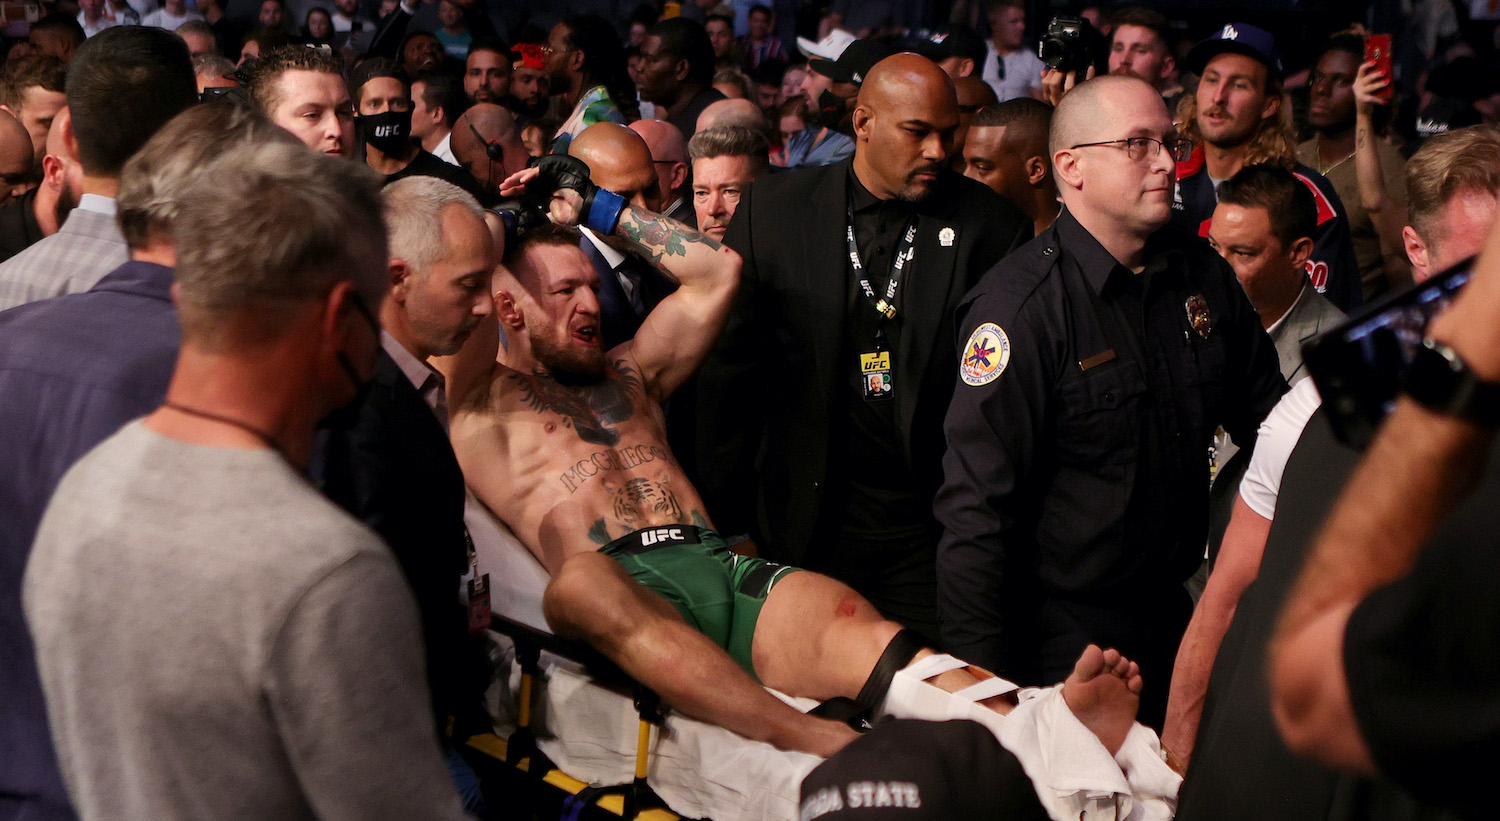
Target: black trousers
<point>898,574</point>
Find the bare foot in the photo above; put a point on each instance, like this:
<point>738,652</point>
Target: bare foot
<point>1103,692</point>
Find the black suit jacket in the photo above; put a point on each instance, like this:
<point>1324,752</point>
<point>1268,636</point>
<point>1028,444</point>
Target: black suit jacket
<point>617,316</point>
<point>393,468</point>
<point>770,393</point>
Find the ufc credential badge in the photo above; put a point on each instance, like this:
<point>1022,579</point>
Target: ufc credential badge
<point>875,375</point>
<point>985,355</point>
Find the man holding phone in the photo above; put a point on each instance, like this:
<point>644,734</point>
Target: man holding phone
<point>1331,151</point>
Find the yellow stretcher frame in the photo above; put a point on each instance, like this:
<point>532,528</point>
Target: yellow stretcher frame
<point>633,800</point>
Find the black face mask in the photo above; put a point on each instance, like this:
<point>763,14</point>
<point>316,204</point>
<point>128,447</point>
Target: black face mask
<point>389,131</point>
<point>208,95</point>
<point>831,109</point>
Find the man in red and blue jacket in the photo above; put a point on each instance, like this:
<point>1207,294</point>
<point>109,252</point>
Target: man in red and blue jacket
<point>1236,119</point>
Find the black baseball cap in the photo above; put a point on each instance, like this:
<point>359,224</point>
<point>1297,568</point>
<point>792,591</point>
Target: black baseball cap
<point>1236,38</point>
<point>955,40</point>
<point>1443,115</point>
<point>908,770</point>
<point>854,63</point>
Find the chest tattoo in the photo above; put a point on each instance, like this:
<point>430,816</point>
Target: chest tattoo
<point>591,410</point>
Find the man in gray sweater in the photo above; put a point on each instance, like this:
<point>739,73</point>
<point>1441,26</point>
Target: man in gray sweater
<point>215,639</point>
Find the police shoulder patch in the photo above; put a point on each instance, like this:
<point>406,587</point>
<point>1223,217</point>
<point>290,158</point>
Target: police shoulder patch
<point>985,355</point>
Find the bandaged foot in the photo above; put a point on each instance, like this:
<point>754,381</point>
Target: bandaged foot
<point>1103,693</point>
<point>915,694</point>
<point>1077,741</point>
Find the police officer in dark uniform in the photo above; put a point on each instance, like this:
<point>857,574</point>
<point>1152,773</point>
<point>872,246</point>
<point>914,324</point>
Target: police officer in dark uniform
<point>1097,362</point>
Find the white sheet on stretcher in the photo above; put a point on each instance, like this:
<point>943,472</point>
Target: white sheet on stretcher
<point>702,771</point>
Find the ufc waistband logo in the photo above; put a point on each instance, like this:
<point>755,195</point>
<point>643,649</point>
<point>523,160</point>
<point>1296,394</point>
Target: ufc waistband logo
<point>662,534</point>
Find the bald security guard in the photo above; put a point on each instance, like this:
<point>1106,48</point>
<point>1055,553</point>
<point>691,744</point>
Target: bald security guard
<point>1096,363</point>
<point>821,409</point>
<point>620,161</point>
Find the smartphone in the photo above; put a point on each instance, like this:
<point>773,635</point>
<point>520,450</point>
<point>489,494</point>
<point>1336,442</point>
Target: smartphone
<point>1378,50</point>
<point>1360,365</point>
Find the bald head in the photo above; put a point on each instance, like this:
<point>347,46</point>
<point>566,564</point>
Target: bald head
<point>902,80</point>
<point>1118,191</point>
<point>904,126</point>
<point>16,157</point>
<point>476,131</point>
<point>669,155</point>
<point>620,161</point>
<point>663,139</point>
<point>1092,108</point>
<point>731,114</point>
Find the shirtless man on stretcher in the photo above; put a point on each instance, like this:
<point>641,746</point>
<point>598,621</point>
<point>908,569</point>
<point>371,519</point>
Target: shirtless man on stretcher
<point>565,442</point>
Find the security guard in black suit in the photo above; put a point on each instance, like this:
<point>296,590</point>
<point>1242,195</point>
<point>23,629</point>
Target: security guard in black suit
<point>820,411</point>
<point>1097,362</point>
<point>387,461</point>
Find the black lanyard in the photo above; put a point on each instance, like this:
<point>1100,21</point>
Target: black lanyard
<point>885,303</point>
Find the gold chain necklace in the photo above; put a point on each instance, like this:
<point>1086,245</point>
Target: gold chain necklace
<point>1324,170</point>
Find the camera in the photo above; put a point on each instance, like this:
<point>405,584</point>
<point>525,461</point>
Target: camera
<point>1361,365</point>
<point>1069,45</point>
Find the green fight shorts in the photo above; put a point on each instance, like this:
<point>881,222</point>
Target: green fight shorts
<point>717,591</point>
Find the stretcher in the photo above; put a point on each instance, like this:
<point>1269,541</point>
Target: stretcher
<point>576,725</point>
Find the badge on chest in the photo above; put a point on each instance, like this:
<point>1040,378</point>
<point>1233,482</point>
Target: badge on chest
<point>875,376</point>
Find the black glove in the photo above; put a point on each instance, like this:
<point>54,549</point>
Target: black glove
<point>601,208</point>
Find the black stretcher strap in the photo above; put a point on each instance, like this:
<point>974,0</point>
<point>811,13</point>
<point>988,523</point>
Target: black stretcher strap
<point>858,711</point>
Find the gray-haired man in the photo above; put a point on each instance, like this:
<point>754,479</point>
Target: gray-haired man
<point>725,160</point>
<point>215,638</point>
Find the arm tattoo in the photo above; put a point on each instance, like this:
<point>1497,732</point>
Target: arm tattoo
<point>656,237</point>
<point>591,410</point>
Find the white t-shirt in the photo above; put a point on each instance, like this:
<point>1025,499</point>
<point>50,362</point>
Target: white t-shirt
<point>1273,447</point>
<point>90,31</point>
<point>163,19</point>
<point>1023,72</point>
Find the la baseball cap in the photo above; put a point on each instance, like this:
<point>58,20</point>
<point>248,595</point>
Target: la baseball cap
<point>1237,38</point>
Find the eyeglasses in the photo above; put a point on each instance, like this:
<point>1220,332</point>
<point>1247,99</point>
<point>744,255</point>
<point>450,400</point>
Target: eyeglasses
<point>1142,148</point>
<point>546,49</point>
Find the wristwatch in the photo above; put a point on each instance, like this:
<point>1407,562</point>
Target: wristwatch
<point>1441,381</point>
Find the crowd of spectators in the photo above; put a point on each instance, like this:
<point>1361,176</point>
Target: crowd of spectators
<point>1014,353</point>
